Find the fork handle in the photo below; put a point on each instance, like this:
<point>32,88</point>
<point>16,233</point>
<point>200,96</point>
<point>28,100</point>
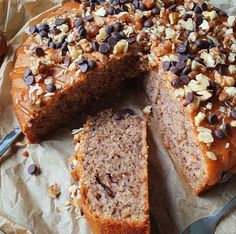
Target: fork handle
<point>8,140</point>
<point>230,205</point>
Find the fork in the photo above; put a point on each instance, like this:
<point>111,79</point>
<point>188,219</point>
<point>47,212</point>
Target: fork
<point>208,225</point>
<point>8,140</point>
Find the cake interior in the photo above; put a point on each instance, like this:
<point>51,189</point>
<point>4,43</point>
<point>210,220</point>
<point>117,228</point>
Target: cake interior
<point>114,158</point>
<point>176,130</point>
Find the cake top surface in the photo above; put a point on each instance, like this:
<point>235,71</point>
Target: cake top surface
<point>191,42</point>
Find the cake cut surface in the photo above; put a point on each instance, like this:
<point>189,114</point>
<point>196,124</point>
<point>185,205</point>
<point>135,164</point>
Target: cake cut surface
<point>112,166</point>
<point>187,48</point>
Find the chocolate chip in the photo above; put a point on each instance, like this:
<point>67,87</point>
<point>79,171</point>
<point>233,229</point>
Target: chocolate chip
<point>219,134</point>
<point>59,22</point>
<point>43,27</point>
<point>197,9</point>
<point>233,113</point>
<point>141,6</point>
<point>111,10</point>
<point>51,45</point>
<point>95,46</point>
<point>116,35</point>
<point>82,32</point>
<point>122,35</point>
<point>117,116</point>
<point>131,39</point>
<point>64,46</point>
<point>117,11</point>
<point>191,56</point>
<point>148,23</point>
<point>176,83</point>
<point>118,26</point>
<point>187,33</point>
<point>223,69</point>
<point>174,70</point>
<point>39,52</point>
<point>43,34</point>
<point>199,60</point>
<point>180,65</point>
<point>204,6</point>
<point>55,30</point>
<point>199,20</point>
<point>172,7</point>
<point>33,169</point>
<point>188,99</point>
<point>112,41</point>
<point>184,79</point>
<point>202,44</point>
<point>156,11</point>
<point>109,29</point>
<point>186,17</point>
<point>183,57</point>
<point>225,177</point>
<point>223,13</point>
<point>115,2</point>
<point>211,43</point>
<point>212,119</point>
<point>33,29</point>
<point>84,67</point>
<point>124,8</point>
<point>51,88</point>
<point>67,61</point>
<point>89,18</point>
<point>91,64</point>
<point>58,45</point>
<point>92,5</point>
<point>27,73</point>
<point>166,66</point>
<point>78,22</point>
<point>81,61</point>
<point>213,86</point>
<point>186,70</point>
<point>226,128</point>
<point>105,39</point>
<point>181,49</point>
<point>104,48</point>
<point>29,80</point>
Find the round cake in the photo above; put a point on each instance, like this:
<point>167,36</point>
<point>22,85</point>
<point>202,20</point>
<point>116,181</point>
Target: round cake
<point>186,49</point>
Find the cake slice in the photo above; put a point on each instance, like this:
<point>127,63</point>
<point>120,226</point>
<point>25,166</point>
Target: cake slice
<point>112,167</point>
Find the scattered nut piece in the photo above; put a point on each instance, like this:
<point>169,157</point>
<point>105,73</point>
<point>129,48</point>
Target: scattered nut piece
<point>147,110</point>
<point>211,156</point>
<point>54,191</point>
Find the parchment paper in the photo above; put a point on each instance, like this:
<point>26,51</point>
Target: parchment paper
<point>25,206</point>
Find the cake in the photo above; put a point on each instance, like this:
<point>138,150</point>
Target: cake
<point>186,49</point>
<point>3,46</point>
<point>111,164</point>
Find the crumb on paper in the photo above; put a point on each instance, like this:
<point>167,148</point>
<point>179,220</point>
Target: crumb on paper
<point>21,144</point>
<point>25,153</point>
<point>76,131</point>
<point>54,191</point>
<point>147,110</point>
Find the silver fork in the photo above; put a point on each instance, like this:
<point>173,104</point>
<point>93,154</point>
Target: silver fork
<point>208,225</point>
<point>8,140</point>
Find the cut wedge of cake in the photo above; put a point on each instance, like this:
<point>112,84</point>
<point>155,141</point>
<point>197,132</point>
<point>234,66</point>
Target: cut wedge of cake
<point>113,171</point>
